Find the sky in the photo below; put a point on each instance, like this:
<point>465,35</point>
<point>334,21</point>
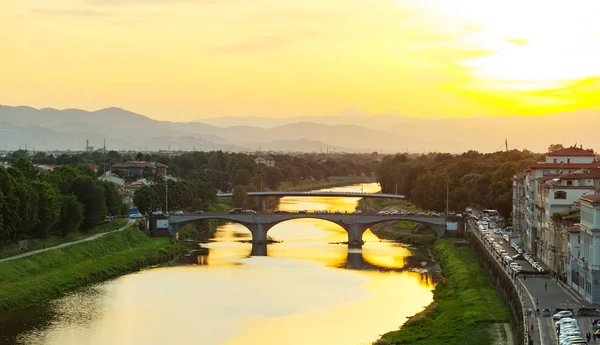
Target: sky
<point>182,60</point>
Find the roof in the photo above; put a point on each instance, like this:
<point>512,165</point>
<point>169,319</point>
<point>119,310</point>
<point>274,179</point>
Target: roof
<point>521,174</point>
<point>546,178</point>
<point>556,186</point>
<point>139,165</point>
<point>572,151</point>
<point>592,174</point>
<point>543,165</point>
<point>267,158</point>
<point>591,198</point>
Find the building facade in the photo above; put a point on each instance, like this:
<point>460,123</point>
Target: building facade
<point>584,258</point>
<point>548,188</point>
<point>268,161</point>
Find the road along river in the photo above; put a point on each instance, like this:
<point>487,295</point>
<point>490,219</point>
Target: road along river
<point>306,291</point>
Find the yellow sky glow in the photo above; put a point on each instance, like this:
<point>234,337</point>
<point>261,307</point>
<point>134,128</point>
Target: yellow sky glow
<point>189,59</point>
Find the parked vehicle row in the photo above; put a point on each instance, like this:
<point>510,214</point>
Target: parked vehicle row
<point>402,213</point>
<point>567,329</point>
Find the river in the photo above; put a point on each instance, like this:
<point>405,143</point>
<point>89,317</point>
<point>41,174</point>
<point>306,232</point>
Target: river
<point>307,291</point>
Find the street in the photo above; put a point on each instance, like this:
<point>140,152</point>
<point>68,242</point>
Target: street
<point>539,291</point>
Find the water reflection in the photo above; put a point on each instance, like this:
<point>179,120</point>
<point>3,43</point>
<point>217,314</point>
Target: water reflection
<point>304,290</point>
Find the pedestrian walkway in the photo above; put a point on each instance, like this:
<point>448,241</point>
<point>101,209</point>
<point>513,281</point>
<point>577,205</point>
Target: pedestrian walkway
<point>67,244</point>
<point>539,292</point>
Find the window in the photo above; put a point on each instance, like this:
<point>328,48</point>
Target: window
<point>560,195</point>
<point>569,183</point>
<point>555,160</point>
<point>568,160</point>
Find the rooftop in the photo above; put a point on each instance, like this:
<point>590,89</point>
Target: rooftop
<point>572,152</point>
<point>543,165</point>
<point>591,198</point>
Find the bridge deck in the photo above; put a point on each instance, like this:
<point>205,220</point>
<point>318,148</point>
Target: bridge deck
<point>320,194</point>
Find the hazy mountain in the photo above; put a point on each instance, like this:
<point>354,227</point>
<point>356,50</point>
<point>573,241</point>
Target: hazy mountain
<point>351,131</point>
<point>349,116</point>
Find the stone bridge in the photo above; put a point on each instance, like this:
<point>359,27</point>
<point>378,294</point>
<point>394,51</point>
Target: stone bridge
<point>259,224</point>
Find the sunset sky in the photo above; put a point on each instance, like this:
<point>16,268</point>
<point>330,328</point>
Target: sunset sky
<point>189,59</point>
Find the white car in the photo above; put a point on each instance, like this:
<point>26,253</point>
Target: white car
<point>562,314</point>
<point>383,213</point>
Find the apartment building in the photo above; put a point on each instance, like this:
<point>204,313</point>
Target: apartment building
<point>551,187</point>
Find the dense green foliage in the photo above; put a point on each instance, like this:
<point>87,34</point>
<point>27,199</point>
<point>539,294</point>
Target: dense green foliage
<point>473,178</point>
<point>42,276</point>
<point>194,193</point>
<point>205,172</point>
<point>465,307</point>
<point>67,199</point>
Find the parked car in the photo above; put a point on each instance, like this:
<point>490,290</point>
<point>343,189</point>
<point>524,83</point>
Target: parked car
<point>250,211</point>
<point>562,314</point>
<point>303,211</point>
<point>357,212</point>
<point>383,213</point>
<point>199,212</point>
<point>236,210</point>
<point>178,212</point>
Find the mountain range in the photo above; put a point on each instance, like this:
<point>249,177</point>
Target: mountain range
<point>352,130</point>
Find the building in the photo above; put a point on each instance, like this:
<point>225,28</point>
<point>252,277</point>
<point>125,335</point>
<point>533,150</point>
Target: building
<point>268,161</point>
<point>44,168</point>
<point>119,182</point>
<point>584,251</point>
<point>549,187</point>
<point>137,168</point>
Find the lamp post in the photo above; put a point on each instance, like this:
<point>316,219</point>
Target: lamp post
<point>166,195</point>
<point>447,193</point>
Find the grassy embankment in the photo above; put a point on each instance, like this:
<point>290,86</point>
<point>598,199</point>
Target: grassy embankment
<point>466,308</point>
<point>46,275</point>
<point>54,240</point>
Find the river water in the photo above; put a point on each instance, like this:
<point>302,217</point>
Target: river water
<point>308,290</point>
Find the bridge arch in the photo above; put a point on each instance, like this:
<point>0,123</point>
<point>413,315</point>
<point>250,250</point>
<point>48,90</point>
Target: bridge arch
<point>355,225</point>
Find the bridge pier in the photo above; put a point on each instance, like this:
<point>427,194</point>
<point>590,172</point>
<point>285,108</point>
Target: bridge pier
<point>355,233</point>
<point>259,232</point>
<point>364,204</point>
<point>259,249</point>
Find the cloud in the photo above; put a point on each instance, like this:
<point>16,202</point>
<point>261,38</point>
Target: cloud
<point>70,12</point>
<point>518,41</point>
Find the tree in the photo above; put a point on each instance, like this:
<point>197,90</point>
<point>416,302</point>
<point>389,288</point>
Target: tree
<point>242,177</point>
<point>48,209</point>
<point>273,177</point>
<point>146,199</point>
<point>112,198</point>
<point>70,215</point>
<point>239,197</point>
<point>26,168</point>
<point>555,147</point>
<point>90,193</point>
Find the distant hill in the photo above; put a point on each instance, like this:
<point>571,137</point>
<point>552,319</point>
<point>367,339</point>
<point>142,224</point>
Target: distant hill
<point>352,130</point>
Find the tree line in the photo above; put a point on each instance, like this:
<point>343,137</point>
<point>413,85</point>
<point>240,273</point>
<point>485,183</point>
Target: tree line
<point>67,199</point>
<point>203,173</point>
<point>472,178</point>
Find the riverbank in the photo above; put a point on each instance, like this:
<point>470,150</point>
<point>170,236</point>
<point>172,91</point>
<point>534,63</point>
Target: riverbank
<point>43,276</point>
<point>54,240</point>
<point>466,309</point>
